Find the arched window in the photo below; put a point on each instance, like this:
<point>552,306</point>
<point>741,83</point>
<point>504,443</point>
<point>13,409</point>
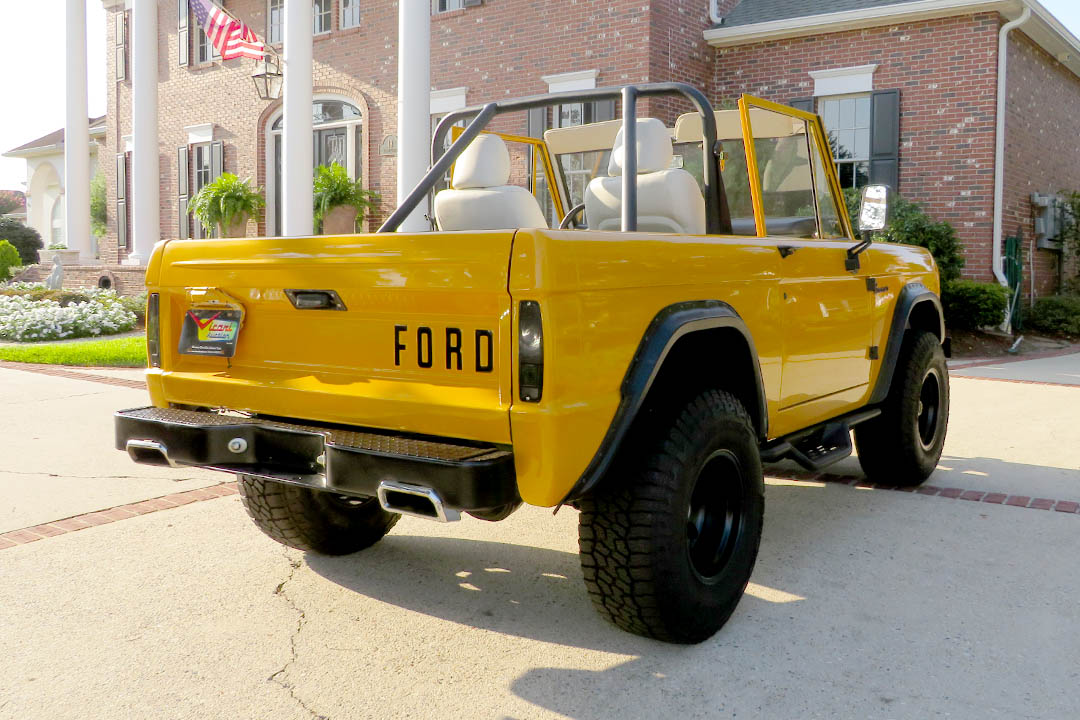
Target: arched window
<point>337,137</point>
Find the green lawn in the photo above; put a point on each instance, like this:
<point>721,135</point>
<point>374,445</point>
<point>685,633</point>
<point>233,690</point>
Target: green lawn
<point>118,352</point>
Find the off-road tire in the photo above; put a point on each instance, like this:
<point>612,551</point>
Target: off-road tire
<point>898,447</point>
<point>636,532</point>
<point>313,520</point>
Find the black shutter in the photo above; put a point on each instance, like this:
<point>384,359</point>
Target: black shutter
<point>121,46</point>
<point>804,104</point>
<point>121,201</point>
<point>217,160</point>
<point>183,22</point>
<point>605,110</point>
<point>183,172</point>
<point>537,122</point>
<point>885,138</point>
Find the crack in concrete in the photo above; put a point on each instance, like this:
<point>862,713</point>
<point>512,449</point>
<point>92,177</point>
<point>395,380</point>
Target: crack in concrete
<point>95,477</point>
<point>300,621</point>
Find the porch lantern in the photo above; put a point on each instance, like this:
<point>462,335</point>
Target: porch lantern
<point>268,79</point>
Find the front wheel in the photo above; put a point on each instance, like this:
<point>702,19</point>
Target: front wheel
<point>902,446</point>
<point>314,520</point>
<point>668,544</point>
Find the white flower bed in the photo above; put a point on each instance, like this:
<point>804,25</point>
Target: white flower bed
<point>25,320</point>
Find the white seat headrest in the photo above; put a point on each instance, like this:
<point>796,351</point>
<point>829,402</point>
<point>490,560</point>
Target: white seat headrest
<point>484,163</point>
<point>653,148</point>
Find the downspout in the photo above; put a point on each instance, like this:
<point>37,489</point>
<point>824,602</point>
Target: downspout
<point>714,12</point>
<point>999,154</point>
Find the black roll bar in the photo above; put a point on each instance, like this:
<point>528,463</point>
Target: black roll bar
<point>628,94</point>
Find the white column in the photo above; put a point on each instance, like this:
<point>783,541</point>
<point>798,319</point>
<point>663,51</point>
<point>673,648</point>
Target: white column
<point>296,157</point>
<point>145,176</point>
<point>414,104</point>
<point>76,135</point>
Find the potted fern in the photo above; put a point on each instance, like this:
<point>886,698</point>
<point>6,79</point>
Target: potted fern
<point>228,203</point>
<point>340,201</point>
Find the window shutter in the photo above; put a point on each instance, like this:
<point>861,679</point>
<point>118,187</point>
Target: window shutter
<point>217,160</point>
<point>605,110</point>
<point>885,138</point>
<point>537,122</point>
<point>183,22</point>
<point>183,172</point>
<point>804,104</point>
<point>121,46</point>
<point>121,201</point>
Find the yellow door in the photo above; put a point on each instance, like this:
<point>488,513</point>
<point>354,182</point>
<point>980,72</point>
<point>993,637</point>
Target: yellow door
<point>826,321</point>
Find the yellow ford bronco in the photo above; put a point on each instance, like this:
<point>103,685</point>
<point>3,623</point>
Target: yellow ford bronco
<point>633,343</point>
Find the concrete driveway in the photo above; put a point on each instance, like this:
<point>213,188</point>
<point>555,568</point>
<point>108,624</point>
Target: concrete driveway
<point>957,601</point>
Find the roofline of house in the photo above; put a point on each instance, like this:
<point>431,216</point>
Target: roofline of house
<point>1043,28</point>
<point>51,148</point>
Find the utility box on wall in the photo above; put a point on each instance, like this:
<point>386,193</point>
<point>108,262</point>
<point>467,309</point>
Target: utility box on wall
<point>1049,221</point>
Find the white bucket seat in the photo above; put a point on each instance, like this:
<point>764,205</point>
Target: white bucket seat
<point>480,198</point>
<point>669,201</point>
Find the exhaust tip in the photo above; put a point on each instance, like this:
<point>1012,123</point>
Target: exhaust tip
<point>149,452</point>
<point>414,501</point>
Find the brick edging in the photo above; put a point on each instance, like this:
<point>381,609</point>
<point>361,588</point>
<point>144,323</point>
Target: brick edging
<point>993,498</point>
<point>64,372</point>
<point>53,528</point>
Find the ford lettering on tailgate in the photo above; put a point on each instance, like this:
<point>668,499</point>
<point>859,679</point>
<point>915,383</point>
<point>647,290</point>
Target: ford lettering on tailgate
<point>450,348</point>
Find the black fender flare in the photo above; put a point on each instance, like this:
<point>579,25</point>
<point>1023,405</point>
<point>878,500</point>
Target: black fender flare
<point>912,296</point>
<point>667,328</point>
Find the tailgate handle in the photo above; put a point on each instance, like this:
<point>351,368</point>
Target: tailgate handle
<point>315,300</point>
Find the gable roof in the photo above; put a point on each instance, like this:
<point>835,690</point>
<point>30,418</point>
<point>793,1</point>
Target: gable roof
<point>751,12</point>
<point>55,139</point>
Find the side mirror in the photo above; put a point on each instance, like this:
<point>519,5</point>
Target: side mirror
<point>874,212</point>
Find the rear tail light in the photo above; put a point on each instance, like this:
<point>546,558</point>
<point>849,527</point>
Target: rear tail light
<point>530,351</point>
<point>153,330</point>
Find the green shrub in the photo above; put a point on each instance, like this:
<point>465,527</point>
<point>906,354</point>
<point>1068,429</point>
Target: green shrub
<point>135,304</point>
<point>25,239</point>
<point>969,305</point>
<point>333,187</point>
<point>1056,315</point>
<point>98,205</point>
<point>224,200</point>
<point>9,258</point>
<point>909,224</point>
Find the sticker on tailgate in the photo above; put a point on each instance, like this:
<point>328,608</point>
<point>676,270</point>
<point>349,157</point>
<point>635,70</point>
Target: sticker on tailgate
<point>210,332</point>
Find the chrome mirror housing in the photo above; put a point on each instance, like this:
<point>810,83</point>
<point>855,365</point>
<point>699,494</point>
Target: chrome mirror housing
<point>874,212</point>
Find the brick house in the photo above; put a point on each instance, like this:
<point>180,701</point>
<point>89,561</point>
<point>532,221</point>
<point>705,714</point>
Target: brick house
<point>909,88</point>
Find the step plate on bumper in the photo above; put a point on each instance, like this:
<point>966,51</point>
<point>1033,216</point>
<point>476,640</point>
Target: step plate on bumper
<point>350,461</point>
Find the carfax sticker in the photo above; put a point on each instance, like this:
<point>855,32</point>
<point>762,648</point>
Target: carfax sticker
<point>210,332</point>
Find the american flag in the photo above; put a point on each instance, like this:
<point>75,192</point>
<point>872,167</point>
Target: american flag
<point>231,37</point>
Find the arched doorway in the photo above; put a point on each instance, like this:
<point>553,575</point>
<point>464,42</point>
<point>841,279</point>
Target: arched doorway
<point>337,136</point>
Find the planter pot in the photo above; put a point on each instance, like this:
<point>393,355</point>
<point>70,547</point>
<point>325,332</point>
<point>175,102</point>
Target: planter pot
<point>341,220</point>
<point>66,257</point>
<point>237,229</point>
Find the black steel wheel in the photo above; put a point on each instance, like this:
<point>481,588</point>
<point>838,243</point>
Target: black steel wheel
<point>312,520</point>
<point>669,540</point>
<point>902,446</point>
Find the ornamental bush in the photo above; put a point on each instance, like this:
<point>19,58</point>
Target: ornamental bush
<point>9,258</point>
<point>1056,315</point>
<point>909,224</point>
<point>24,319</point>
<point>969,305</point>
<point>25,239</point>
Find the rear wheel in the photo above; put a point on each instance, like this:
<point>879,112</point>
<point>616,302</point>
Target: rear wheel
<point>902,446</point>
<point>668,545</point>
<point>313,520</point>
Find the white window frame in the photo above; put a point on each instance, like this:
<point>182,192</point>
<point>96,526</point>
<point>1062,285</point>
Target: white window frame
<point>202,42</point>
<point>315,15</point>
<point>272,37</point>
<point>445,6</point>
<point>819,105</point>
<point>843,81</point>
<point>355,9</point>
